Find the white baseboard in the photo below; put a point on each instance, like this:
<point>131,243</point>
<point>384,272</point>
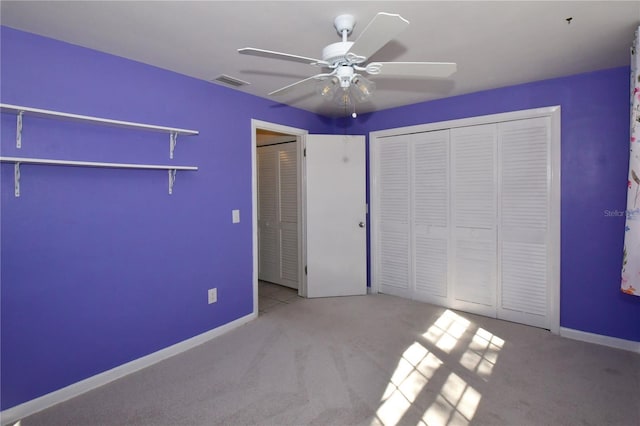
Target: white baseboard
<point>13,414</point>
<point>614,342</point>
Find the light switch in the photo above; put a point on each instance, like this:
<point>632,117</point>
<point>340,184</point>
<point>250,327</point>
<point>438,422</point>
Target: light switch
<point>235,216</point>
<point>212,295</point>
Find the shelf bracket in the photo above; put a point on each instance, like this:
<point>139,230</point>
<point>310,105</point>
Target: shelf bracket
<point>19,130</point>
<point>173,140</point>
<point>16,179</point>
<point>172,179</point>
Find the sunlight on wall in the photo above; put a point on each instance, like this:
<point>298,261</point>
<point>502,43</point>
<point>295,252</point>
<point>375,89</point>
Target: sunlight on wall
<point>456,401</point>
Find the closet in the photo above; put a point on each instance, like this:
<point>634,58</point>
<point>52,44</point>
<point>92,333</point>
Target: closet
<point>465,214</point>
<point>277,170</point>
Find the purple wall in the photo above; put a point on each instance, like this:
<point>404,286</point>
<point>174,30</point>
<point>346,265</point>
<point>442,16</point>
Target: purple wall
<point>101,266</point>
<point>595,159</point>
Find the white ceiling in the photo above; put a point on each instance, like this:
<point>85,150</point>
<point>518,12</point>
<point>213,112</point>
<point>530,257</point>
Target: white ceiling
<point>495,44</point>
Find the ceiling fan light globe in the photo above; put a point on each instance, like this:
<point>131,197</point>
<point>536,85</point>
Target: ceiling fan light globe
<point>362,88</point>
<point>343,98</point>
<point>327,88</point>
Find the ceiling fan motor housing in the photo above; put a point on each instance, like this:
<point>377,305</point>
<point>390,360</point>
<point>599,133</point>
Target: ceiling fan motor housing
<point>335,53</point>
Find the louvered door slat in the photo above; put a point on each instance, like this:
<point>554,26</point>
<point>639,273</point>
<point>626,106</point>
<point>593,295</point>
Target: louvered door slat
<point>289,258</point>
<point>288,180</point>
<point>267,185</point>
<point>475,273</point>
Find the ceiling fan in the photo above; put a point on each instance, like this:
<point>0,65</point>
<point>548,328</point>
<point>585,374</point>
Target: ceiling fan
<point>344,62</point>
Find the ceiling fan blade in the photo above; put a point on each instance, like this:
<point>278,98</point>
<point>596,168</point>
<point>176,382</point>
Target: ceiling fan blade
<point>278,55</point>
<point>380,31</point>
<point>297,83</point>
<point>416,69</point>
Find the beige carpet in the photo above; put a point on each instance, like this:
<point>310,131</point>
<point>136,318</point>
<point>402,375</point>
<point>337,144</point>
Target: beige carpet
<point>371,360</point>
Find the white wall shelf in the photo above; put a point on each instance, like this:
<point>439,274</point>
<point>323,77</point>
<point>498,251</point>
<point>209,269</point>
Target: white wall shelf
<point>171,169</point>
<point>20,111</point>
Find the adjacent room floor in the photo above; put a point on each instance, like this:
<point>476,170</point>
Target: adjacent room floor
<point>371,360</point>
<point>273,296</point>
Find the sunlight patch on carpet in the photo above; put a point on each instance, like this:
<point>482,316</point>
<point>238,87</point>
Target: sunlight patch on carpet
<point>456,401</point>
<point>482,354</point>
<point>447,330</point>
<point>456,404</point>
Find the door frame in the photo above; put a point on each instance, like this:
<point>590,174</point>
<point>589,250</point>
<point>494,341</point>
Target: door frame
<point>553,112</point>
<point>300,135</point>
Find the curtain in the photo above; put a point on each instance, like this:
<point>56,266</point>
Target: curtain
<point>631,253</point>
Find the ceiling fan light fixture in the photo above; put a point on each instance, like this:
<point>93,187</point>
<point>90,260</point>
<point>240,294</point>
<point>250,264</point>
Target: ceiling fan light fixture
<point>362,88</point>
<point>346,92</point>
<point>345,75</point>
<point>343,98</point>
<point>327,88</point>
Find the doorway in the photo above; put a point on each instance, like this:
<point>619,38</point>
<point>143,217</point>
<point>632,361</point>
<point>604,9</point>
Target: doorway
<point>279,240</point>
<point>331,212</point>
<point>277,166</point>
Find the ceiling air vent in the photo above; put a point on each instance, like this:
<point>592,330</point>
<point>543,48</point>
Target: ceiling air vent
<point>230,81</point>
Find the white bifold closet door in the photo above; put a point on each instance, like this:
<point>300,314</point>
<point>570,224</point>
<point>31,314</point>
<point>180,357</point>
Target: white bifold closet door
<point>394,197</point>
<point>278,214</point>
<point>414,211</point>
<point>462,218</point>
<point>473,203</point>
<point>524,213</point>
<point>430,221</point>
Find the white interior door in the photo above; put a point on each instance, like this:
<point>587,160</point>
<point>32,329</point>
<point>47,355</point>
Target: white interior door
<point>336,215</point>
<point>268,252</point>
<point>278,214</point>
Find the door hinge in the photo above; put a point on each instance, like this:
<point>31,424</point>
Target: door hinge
<point>305,269</point>
<point>304,152</point>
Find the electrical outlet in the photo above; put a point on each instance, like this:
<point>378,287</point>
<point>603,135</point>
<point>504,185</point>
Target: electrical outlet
<point>213,295</point>
<point>235,216</point>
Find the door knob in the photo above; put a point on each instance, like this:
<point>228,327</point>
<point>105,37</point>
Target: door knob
<point>361,224</point>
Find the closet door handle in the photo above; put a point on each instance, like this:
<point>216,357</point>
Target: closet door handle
<point>361,224</point>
